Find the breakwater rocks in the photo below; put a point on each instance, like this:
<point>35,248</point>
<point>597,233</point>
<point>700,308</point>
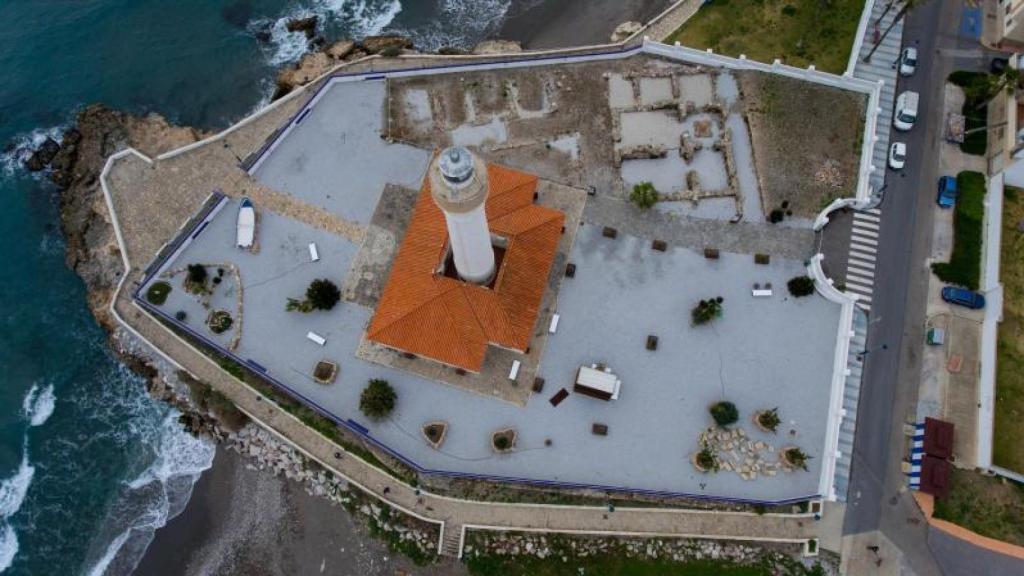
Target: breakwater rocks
<point>314,64</point>
<point>265,451</point>
<point>774,558</point>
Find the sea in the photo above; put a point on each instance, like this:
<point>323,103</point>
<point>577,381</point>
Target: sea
<point>90,465</point>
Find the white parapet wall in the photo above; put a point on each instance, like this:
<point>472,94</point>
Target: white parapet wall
<point>993,289</point>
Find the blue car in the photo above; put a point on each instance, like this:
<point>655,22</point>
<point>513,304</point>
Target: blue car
<point>947,192</point>
<point>963,297</point>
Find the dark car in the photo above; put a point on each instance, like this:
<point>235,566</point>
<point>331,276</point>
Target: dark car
<point>963,297</point>
<point>998,65</point>
<point>948,192</point>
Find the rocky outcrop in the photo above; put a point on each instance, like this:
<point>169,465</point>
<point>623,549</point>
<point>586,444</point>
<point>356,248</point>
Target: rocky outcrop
<point>43,155</point>
<point>378,44</point>
<point>315,64</point>
<point>625,30</point>
<point>304,25</point>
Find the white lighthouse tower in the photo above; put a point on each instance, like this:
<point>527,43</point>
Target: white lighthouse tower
<point>458,184</point>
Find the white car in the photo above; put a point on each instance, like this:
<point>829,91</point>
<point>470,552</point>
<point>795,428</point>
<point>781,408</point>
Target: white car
<point>908,61</point>
<point>897,155</point>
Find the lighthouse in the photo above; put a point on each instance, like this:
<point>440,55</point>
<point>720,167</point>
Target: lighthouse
<point>458,185</point>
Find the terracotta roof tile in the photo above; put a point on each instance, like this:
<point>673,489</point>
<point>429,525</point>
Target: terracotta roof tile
<point>451,321</point>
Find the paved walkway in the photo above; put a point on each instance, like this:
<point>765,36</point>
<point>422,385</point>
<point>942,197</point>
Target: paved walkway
<point>455,513</point>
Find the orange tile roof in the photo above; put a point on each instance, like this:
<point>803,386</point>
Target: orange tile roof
<point>452,321</point>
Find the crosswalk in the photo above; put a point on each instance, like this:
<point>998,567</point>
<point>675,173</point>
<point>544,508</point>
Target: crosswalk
<point>860,265</point>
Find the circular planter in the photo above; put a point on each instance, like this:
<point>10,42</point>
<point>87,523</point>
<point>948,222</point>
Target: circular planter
<point>435,433</point>
<point>219,321</point>
<point>786,462</point>
<point>696,464</point>
<point>157,293</point>
<point>504,441</point>
<point>756,418</point>
<point>325,372</point>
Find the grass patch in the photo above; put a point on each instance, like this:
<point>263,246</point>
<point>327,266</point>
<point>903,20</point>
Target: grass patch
<point>1008,448</point>
<point>990,506</point>
<point>799,32</point>
<point>158,292</point>
<point>964,266</point>
<point>974,110</point>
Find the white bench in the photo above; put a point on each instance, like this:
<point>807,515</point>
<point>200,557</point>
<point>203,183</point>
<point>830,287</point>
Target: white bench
<point>554,323</point>
<point>515,370</point>
<point>761,293</point>
<point>316,338</point>
<point>313,254</point>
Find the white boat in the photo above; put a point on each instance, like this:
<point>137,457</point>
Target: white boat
<point>246,224</point>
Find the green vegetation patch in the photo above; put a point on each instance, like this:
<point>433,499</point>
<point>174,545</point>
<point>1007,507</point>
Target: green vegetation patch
<point>1008,441</point>
<point>989,505</point>
<point>964,266</point>
<point>158,292</point>
<point>975,109</point>
<point>799,32</point>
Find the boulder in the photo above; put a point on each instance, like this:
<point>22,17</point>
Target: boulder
<point>377,44</point>
<point>625,30</point>
<point>341,49</point>
<point>43,155</point>
<point>305,25</point>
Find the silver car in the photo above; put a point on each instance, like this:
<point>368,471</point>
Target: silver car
<point>908,61</point>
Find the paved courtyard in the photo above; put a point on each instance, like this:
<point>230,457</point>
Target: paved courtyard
<point>335,157</point>
<point>763,352</point>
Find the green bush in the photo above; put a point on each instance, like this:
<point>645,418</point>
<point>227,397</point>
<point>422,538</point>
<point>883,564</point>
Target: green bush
<point>322,294</point>
<point>964,266</point>
<point>801,286</point>
<point>195,278</point>
<point>706,310</point>
<point>220,321</point>
<point>707,459</point>
<point>769,419</point>
<point>501,442</point>
<point>797,457</point>
<point>377,399</point>
<point>644,195</point>
<point>157,293</point>
<point>724,413</point>
<point>978,89</point>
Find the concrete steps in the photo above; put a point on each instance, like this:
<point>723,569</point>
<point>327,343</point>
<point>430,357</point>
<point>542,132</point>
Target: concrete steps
<point>451,540</point>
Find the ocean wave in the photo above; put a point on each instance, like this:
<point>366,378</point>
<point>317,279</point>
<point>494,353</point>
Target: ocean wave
<point>155,496</point>
<point>12,495</point>
<point>358,18</point>
<point>460,23</point>
<point>13,158</point>
<point>38,404</point>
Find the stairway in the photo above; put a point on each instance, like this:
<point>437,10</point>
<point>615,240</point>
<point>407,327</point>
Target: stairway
<point>451,540</point>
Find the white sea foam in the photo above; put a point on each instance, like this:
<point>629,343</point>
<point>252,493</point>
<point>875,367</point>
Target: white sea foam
<point>358,17</point>
<point>153,497</point>
<point>461,23</point>
<point>23,145</point>
<point>12,495</point>
<point>38,404</point>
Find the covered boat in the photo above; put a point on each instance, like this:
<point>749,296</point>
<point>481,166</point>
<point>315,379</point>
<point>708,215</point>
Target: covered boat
<point>246,224</point>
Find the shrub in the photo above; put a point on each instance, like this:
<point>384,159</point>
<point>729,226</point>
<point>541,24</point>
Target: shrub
<point>801,286</point>
<point>378,399</point>
<point>964,266</point>
<point>180,315</point>
<point>706,310</point>
<point>724,413</point>
<point>644,195</point>
<point>776,215</point>
<point>501,442</point>
<point>195,279</point>
<point>796,457</point>
<point>707,459</point>
<point>322,294</point>
<point>157,293</point>
<point>769,419</point>
<point>220,321</point>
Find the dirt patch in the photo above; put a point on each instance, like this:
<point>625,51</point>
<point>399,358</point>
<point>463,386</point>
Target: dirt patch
<point>807,141</point>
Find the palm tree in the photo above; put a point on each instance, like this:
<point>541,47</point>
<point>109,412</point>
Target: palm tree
<point>908,5</point>
<point>888,6</point>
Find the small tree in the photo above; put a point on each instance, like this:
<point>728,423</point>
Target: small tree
<point>322,294</point>
<point>769,419</point>
<point>801,286</point>
<point>707,459</point>
<point>195,278</point>
<point>378,399</point>
<point>724,413</point>
<point>706,310</point>
<point>644,195</point>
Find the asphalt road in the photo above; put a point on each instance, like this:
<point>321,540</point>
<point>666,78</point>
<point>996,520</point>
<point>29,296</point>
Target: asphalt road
<point>891,376</point>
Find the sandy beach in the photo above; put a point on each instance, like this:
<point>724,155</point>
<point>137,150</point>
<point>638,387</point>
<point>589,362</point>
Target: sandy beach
<point>575,22</point>
<point>242,521</point>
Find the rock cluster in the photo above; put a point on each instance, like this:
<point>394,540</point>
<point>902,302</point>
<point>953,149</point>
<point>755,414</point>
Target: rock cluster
<point>678,550</point>
<point>266,452</point>
<point>738,453</point>
<point>315,64</point>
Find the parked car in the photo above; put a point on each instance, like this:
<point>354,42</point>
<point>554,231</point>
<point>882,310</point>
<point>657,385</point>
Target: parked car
<point>963,297</point>
<point>908,61</point>
<point>897,155</point>
<point>906,111</point>
<point>948,192</point>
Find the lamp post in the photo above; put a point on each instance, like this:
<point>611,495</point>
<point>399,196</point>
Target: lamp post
<point>865,352</point>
